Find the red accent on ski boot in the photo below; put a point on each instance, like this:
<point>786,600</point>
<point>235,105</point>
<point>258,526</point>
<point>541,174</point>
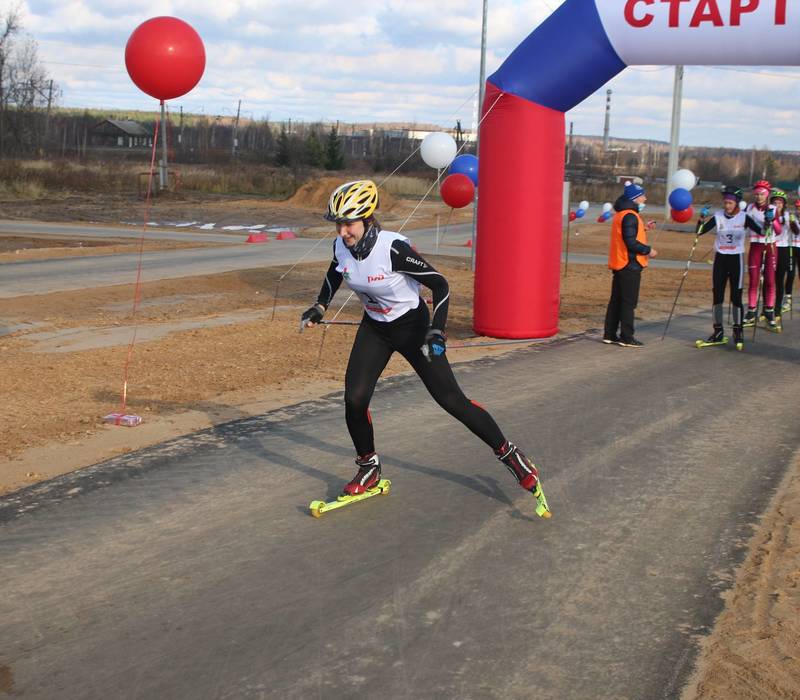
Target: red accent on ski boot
<point>367,477</point>
<point>519,465</point>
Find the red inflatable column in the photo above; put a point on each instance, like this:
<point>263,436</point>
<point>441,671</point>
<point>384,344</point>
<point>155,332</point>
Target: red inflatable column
<point>518,256</point>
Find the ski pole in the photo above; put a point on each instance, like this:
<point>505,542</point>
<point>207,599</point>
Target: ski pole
<point>686,271</point>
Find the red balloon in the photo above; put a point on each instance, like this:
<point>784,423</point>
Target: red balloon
<point>601,219</point>
<point>457,190</point>
<point>682,216</point>
<point>165,57</point>
<point>572,216</point>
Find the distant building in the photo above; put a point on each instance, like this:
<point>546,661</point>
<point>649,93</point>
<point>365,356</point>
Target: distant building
<point>121,133</point>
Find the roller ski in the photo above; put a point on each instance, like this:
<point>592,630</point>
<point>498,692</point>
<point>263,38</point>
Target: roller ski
<point>716,338</point>
<point>526,474</point>
<point>365,484</point>
<point>772,323</point>
<point>738,338</point>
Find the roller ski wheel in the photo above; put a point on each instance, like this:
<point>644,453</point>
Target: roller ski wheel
<point>318,508</point>
<point>711,343</point>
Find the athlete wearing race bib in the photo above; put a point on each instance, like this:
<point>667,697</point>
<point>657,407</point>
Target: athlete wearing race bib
<point>762,255</point>
<point>731,225</point>
<point>785,225</point>
<point>794,262</point>
<point>385,272</point>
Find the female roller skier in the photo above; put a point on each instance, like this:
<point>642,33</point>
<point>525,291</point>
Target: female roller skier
<point>785,228</point>
<point>731,224</point>
<point>385,272</point>
<point>794,263</point>
<point>762,254</point>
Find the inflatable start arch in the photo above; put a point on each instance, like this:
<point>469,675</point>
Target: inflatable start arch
<point>574,52</point>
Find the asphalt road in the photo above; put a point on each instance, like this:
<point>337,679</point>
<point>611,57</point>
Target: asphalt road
<point>62,274</point>
<point>193,569</point>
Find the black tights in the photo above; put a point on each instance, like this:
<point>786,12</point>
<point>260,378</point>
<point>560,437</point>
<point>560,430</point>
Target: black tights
<point>781,273</point>
<point>728,269</point>
<point>374,344</point>
<point>793,269</point>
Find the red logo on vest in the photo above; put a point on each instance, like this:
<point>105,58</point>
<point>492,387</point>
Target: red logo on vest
<point>374,278</point>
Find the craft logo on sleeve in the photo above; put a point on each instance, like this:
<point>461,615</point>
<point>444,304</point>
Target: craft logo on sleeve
<point>703,32</point>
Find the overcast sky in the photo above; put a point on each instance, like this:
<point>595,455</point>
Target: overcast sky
<point>386,60</point>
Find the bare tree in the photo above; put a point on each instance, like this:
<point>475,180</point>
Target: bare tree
<point>25,87</point>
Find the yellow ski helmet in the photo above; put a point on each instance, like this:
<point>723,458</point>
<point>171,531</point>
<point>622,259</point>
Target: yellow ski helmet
<point>352,201</point>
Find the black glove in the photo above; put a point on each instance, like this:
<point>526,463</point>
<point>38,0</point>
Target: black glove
<point>435,344</point>
<point>312,315</point>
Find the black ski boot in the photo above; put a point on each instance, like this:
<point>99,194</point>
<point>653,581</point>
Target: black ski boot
<point>771,323</point>
<point>750,318</point>
<point>716,338</point>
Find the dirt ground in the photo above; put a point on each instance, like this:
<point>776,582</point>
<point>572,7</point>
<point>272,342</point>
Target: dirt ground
<point>210,350</point>
<point>18,248</point>
<point>302,212</point>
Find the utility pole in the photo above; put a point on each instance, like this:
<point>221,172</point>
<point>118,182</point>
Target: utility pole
<point>481,90</point>
<point>180,128</point>
<point>674,147</point>
<point>607,128</point>
<point>235,143</point>
<point>752,164</point>
<point>163,182</point>
<point>569,143</point>
<point>47,118</point>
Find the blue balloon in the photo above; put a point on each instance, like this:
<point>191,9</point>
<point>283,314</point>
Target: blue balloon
<point>607,215</point>
<point>580,213</point>
<point>465,164</point>
<point>680,199</point>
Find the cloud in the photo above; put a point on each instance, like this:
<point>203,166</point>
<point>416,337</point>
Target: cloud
<point>398,60</point>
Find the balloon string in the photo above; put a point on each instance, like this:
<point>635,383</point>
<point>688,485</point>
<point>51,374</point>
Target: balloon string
<point>137,294</point>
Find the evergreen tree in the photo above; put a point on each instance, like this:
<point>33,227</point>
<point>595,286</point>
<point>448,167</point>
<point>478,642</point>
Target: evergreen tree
<point>334,158</point>
<point>314,152</point>
<point>283,154</point>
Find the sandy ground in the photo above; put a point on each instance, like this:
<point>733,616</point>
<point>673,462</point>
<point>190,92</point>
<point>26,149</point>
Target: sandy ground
<point>208,350</point>
<point>753,652</point>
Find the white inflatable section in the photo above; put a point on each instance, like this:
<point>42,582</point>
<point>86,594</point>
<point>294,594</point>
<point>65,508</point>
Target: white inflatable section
<point>703,32</point>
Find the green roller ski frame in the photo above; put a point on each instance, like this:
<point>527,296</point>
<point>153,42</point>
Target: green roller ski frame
<point>542,509</point>
<point>317,508</point>
<point>706,344</point>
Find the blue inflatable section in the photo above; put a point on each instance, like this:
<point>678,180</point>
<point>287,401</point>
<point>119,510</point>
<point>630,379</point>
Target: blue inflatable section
<point>563,61</point>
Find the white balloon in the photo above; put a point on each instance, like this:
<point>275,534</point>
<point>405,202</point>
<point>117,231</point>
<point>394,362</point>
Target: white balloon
<point>438,150</point>
<point>683,179</point>
<point>584,205</point>
<point>608,206</point>
<point>742,205</point>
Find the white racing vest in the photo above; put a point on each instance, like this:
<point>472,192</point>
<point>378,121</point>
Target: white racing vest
<point>796,236</point>
<point>730,233</point>
<point>782,241</point>
<point>758,216</point>
<point>385,294</point>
